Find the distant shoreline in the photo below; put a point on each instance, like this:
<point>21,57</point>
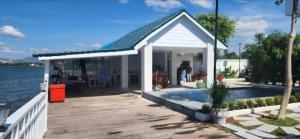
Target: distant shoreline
<point>21,66</point>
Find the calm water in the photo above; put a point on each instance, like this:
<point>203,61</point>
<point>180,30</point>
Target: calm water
<point>244,93</point>
<point>18,85</point>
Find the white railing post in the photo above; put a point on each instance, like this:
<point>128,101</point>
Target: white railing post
<point>28,121</point>
<point>46,83</point>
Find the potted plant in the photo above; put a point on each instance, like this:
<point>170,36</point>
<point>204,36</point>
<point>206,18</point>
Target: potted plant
<point>204,114</point>
<point>217,94</point>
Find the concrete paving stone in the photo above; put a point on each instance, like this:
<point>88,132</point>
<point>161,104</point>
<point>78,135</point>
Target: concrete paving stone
<point>297,126</point>
<point>267,128</point>
<point>274,112</point>
<point>293,115</point>
<point>242,118</point>
<point>290,130</point>
<point>233,127</point>
<point>253,115</point>
<point>246,135</point>
<point>262,134</point>
<point>295,109</point>
<point>251,123</point>
<point>262,113</point>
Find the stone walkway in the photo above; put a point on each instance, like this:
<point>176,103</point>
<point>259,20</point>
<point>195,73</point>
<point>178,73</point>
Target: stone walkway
<point>263,130</point>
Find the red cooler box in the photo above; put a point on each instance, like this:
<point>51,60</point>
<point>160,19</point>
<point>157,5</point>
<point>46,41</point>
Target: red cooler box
<point>57,92</point>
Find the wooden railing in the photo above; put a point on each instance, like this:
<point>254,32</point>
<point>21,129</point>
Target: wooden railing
<point>29,121</point>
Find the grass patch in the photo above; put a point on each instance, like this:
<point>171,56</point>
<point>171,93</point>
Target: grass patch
<point>279,122</point>
<point>279,132</point>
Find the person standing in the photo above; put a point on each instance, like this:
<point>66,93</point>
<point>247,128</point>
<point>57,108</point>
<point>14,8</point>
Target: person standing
<point>189,73</point>
<point>179,72</point>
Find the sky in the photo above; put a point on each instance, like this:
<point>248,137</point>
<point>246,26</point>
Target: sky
<point>41,26</point>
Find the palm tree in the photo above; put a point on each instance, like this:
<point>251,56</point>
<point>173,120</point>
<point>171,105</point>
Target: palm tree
<point>289,81</point>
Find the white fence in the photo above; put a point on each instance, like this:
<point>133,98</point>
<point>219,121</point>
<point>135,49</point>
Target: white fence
<point>233,63</point>
<point>29,121</point>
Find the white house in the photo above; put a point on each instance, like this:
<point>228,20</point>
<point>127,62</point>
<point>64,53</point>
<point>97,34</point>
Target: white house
<point>161,45</point>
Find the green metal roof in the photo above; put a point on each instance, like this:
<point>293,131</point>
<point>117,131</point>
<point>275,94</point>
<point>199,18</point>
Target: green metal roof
<point>126,42</point>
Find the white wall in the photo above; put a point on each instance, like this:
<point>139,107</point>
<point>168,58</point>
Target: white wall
<point>181,33</point>
<point>234,63</point>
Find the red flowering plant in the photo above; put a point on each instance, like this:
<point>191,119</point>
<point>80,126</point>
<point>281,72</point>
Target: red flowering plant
<point>220,77</point>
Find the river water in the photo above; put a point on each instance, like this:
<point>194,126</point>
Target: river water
<point>19,84</point>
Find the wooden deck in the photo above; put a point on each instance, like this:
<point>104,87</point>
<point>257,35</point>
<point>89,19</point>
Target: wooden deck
<point>123,115</point>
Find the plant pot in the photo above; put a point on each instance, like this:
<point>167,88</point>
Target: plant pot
<point>220,118</point>
<point>203,117</point>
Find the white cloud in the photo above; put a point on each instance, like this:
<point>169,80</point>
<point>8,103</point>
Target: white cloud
<point>123,1</point>
<point>79,44</point>
<point>163,4</point>
<point>84,46</point>
<point>8,50</point>
<point>38,50</point>
<point>96,45</point>
<point>5,50</point>
<point>11,31</point>
<point>248,26</point>
<point>203,3</point>
<point>2,43</point>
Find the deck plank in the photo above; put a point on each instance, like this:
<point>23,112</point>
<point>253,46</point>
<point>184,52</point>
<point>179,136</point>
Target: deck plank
<point>122,116</point>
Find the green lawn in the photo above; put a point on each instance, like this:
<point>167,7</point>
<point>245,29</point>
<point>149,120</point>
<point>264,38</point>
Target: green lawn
<point>279,122</point>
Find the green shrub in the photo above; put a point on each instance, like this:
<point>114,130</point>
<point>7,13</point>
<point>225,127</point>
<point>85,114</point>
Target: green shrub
<point>229,73</point>
<point>250,103</point>
<point>260,102</point>
<point>269,101</point>
<point>297,95</point>
<point>292,99</point>
<point>241,104</point>
<point>205,109</point>
<point>231,105</point>
<point>277,100</point>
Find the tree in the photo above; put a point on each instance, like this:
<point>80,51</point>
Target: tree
<point>226,26</point>
<point>231,55</point>
<point>289,80</point>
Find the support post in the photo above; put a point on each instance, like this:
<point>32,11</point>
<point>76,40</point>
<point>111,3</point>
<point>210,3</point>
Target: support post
<point>146,64</point>
<point>166,62</point>
<point>46,83</point>
<point>46,75</point>
<point>124,74</point>
<point>174,68</point>
<point>208,62</point>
